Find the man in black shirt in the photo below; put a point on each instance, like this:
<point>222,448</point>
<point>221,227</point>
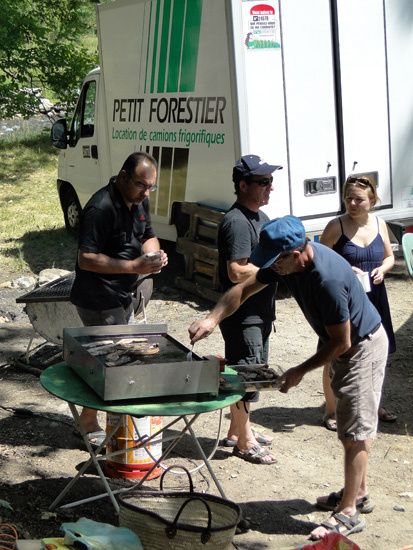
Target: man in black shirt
<point>246,332</point>
<point>115,238</point>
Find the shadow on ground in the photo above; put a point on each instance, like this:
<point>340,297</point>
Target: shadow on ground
<point>274,517</point>
<point>32,499</point>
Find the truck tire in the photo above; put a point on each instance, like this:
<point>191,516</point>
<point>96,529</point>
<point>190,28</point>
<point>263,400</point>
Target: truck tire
<point>71,210</point>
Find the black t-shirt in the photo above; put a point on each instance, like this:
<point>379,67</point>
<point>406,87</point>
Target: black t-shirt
<point>109,227</point>
<point>329,293</point>
<point>238,234</point>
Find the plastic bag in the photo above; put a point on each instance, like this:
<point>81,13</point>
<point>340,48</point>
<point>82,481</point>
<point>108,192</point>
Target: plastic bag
<point>332,541</point>
<point>93,535</point>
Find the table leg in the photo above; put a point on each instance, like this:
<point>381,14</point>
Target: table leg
<point>110,492</point>
<point>93,458</point>
<point>204,457</point>
<point>170,448</point>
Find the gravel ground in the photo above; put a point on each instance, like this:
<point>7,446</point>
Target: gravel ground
<point>39,453</point>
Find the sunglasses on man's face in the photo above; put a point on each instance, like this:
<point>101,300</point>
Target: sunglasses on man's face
<point>263,182</point>
<point>282,257</point>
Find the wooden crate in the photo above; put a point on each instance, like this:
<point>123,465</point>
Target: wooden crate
<point>199,246</point>
<point>203,222</point>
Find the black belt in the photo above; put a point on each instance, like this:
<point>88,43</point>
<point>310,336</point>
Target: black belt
<point>376,328</point>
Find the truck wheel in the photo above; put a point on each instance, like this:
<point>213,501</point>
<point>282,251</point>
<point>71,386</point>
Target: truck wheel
<point>71,210</point>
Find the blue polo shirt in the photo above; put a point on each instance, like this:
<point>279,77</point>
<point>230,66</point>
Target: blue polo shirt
<point>329,293</point>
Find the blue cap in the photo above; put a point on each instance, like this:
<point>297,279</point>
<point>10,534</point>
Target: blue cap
<point>278,236</point>
<point>252,165</point>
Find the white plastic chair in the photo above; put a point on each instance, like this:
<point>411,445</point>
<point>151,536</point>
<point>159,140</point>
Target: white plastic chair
<point>407,245</point>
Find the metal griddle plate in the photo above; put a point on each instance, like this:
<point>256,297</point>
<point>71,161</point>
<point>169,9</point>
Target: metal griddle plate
<point>166,373</point>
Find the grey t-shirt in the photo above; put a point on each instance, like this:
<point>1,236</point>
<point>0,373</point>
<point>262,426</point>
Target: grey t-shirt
<point>238,234</point>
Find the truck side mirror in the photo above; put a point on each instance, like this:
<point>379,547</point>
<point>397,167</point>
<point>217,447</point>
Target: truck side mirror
<point>58,134</point>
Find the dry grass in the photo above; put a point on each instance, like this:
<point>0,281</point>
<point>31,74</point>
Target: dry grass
<point>32,233</point>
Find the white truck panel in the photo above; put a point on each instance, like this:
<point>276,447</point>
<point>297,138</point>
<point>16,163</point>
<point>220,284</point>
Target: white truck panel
<point>364,91</point>
<point>310,104</point>
<point>209,168</point>
<point>262,90</point>
<point>181,136</point>
<point>322,88</point>
<point>399,17</point>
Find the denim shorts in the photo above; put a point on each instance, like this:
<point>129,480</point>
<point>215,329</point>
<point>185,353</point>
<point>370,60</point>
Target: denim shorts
<point>357,379</point>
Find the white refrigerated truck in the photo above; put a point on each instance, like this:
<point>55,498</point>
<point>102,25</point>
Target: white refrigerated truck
<point>322,87</point>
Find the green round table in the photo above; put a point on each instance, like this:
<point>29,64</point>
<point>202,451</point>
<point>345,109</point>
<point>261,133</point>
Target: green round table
<point>63,382</point>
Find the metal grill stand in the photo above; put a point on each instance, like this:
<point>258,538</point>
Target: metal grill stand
<point>50,311</point>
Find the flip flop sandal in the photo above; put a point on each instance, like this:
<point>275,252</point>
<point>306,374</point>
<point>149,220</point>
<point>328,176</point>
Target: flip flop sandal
<point>95,438</point>
<point>261,439</point>
<point>228,442</point>
<point>255,455</point>
<point>330,423</point>
<point>346,525</point>
<point>364,504</point>
<point>386,416</point>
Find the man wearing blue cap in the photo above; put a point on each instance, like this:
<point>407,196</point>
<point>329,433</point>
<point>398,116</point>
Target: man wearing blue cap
<point>246,332</point>
<point>351,338</point>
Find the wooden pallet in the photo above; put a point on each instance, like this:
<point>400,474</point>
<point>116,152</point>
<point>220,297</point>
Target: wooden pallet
<point>203,222</point>
<point>199,246</point>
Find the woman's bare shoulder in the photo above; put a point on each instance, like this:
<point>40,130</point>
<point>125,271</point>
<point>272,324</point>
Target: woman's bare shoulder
<point>332,232</point>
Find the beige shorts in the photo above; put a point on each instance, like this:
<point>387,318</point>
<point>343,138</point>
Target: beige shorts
<point>357,378</point>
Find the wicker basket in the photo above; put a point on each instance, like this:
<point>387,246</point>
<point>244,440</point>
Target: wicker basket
<point>177,520</point>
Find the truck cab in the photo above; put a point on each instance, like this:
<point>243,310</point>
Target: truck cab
<point>81,164</point>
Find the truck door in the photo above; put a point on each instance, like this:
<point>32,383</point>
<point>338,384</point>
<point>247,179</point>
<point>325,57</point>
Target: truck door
<point>364,91</point>
<point>286,83</point>
<point>311,121</point>
<point>82,153</point>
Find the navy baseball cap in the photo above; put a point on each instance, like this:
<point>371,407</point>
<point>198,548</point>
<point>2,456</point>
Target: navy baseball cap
<point>252,165</point>
<point>276,237</point>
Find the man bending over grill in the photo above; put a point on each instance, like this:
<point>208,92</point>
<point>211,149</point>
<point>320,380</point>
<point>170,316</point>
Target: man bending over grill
<point>351,338</point>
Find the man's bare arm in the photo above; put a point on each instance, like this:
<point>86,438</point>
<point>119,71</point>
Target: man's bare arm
<point>226,306</point>
<point>101,263</point>
<point>240,270</point>
<point>339,342</point>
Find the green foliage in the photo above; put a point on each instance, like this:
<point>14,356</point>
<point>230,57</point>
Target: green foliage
<point>32,232</point>
<point>41,46</point>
